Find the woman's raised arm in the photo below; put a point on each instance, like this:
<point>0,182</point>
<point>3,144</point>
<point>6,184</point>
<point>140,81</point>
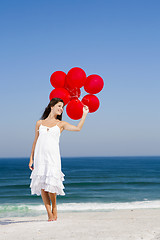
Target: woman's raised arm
<point>70,127</point>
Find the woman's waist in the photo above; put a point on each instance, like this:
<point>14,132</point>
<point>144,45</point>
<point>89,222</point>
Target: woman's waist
<point>47,137</point>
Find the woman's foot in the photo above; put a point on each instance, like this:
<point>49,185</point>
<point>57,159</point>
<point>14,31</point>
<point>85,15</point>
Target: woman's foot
<point>54,212</point>
<point>50,217</point>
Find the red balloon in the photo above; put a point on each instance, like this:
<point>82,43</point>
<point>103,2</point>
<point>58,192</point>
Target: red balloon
<point>76,77</point>
<point>74,109</point>
<point>57,79</point>
<point>91,101</point>
<point>60,93</point>
<point>94,84</point>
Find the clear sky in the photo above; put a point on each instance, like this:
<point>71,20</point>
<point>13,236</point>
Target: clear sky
<point>119,40</point>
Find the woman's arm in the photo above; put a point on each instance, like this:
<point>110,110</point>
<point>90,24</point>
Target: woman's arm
<point>70,127</point>
<point>34,144</point>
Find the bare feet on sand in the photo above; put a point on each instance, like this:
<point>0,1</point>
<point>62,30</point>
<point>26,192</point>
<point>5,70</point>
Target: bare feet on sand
<point>50,217</point>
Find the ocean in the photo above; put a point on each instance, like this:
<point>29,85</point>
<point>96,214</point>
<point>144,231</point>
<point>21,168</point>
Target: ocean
<point>91,184</point>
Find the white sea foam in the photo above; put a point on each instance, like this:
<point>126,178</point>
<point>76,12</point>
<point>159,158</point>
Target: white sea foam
<point>100,206</point>
<point>107,206</point>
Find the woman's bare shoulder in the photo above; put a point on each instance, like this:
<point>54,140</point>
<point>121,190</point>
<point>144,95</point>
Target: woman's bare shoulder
<point>38,123</point>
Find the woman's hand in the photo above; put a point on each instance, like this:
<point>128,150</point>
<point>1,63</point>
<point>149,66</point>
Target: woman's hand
<point>85,109</point>
<point>30,164</point>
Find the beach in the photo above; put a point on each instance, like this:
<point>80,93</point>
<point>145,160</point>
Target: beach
<point>130,224</point>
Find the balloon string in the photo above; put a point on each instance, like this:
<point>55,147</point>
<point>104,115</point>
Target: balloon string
<point>82,103</point>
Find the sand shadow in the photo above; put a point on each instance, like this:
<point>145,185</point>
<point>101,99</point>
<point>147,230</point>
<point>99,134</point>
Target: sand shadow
<point>8,221</point>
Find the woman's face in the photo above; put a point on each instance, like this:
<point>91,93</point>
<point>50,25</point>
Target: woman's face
<point>58,108</point>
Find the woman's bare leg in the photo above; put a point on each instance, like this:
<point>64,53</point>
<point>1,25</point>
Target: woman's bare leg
<point>54,207</point>
<point>47,204</point>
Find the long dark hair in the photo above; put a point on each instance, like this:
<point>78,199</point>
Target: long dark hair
<point>47,110</point>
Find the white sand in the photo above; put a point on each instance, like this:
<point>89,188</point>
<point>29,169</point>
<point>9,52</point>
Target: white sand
<point>116,225</point>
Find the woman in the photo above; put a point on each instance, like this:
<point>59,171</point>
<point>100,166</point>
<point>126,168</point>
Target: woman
<point>46,177</point>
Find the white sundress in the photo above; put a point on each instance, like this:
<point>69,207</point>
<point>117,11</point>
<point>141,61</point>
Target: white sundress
<point>47,172</point>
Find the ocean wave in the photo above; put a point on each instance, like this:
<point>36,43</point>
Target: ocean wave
<point>39,209</point>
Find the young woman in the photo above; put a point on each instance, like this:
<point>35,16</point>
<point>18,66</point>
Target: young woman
<point>46,177</point>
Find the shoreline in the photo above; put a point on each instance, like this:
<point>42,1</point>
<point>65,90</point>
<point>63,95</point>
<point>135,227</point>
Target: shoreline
<point>128,224</point>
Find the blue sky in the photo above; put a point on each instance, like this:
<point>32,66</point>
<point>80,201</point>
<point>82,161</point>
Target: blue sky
<point>119,40</point>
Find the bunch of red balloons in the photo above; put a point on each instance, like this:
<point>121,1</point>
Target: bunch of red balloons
<point>67,87</point>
